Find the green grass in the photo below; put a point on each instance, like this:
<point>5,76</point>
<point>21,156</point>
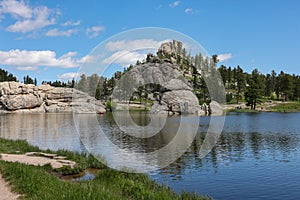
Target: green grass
<point>41,183</point>
<point>286,107</point>
<point>83,161</point>
<point>16,146</point>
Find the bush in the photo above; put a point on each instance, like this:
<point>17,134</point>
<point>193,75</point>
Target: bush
<point>110,105</point>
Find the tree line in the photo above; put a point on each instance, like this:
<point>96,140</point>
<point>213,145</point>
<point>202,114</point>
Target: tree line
<point>253,88</point>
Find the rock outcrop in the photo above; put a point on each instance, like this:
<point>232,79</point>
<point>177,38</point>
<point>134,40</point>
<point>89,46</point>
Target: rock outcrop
<point>175,96</point>
<point>173,48</point>
<point>17,97</point>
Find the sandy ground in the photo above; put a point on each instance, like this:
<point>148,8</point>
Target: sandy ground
<point>31,158</point>
<point>5,193</point>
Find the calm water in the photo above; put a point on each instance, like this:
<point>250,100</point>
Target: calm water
<point>257,155</point>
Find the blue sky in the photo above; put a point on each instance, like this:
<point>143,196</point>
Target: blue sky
<point>50,39</point>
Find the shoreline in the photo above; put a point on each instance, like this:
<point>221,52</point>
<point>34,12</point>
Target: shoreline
<point>45,182</point>
<point>271,106</point>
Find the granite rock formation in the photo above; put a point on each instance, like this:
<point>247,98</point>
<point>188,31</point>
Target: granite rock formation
<point>17,97</point>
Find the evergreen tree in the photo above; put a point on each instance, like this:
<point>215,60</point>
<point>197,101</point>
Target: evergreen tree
<point>240,83</point>
<point>6,76</point>
<point>254,90</point>
<point>83,84</point>
<point>268,86</point>
<point>28,80</point>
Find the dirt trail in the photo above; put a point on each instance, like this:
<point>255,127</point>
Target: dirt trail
<point>30,159</point>
<point>5,192</point>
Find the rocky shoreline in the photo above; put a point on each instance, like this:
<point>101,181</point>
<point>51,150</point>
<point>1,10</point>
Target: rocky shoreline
<point>17,97</point>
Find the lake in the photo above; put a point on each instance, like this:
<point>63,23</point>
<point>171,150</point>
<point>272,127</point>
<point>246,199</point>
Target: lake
<point>257,156</point>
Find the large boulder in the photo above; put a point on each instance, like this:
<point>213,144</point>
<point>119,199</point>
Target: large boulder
<point>182,102</point>
<point>17,97</point>
<point>15,88</point>
<point>216,109</point>
<point>21,101</point>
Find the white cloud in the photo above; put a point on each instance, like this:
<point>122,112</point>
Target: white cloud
<point>94,31</point>
<point>174,4</point>
<point>189,11</point>
<point>130,45</point>
<point>24,59</point>
<point>27,18</point>
<point>15,8</point>
<point>68,76</point>
<point>124,58</point>
<point>224,57</point>
<point>55,32</point>
<point>27,68</point>
<point>71,23</point>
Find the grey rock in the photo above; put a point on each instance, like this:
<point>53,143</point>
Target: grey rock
<point>21,101</point>
<point>182,102</point>
<point>177,84</point>
<point>216,109</point>
<point>169,48</point>
<point>176,94</point>
<point>17,97</point>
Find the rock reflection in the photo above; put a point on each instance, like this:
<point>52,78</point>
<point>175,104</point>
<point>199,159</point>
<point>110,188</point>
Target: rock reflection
<point>276,140</point>
<point>48,131</point>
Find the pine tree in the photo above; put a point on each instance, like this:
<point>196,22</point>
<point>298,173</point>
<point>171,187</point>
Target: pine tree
<point>240,83</point>
<point>254,90</point>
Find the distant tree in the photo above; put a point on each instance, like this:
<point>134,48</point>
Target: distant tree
<point>6,76</point>
<point>273,81</point>
<point>223,73</point>
<point>240,83</point>
<point>284,86</point>
<point>92,84</point>
<point>140,92</point>
<point>28,80</point>
<point>254,90</point>
<point>138,62</point>
<point>215,58</point>
<point>83,84</point>
<point>97,93</point>
<point>104,91</point>
<point>296,91</point>
<point>229,75</point>
<point>268,86</point>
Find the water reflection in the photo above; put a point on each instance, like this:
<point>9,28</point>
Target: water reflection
<point>53,131</point>
<point>56,131</point>
<point>256,154</point>
<point>121,150</point>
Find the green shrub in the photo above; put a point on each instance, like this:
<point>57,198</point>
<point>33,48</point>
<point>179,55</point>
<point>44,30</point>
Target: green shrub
<point>110,105</point>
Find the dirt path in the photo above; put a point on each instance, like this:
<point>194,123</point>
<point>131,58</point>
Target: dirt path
<point>32,158</point>
<point>5,192</point>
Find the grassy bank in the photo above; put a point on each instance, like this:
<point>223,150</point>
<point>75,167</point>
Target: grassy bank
<point>293,106</point>
<point>43,182</point>
<point>274,106</point>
